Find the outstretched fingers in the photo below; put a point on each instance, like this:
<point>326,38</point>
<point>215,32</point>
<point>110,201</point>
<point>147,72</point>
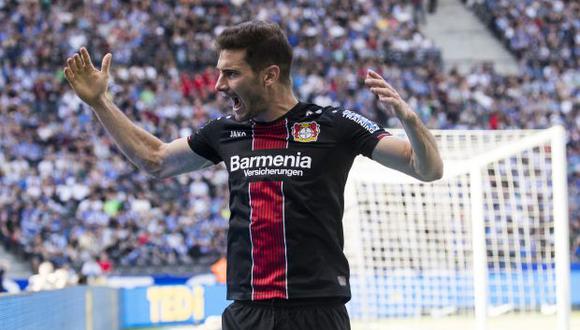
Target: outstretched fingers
<point>106,65</point>
<point>371,82</point>
<point>87,59</point>
<point>72,65</point>
<point>387,95</point>
<point>375,81</point>
<point>79,62</point>
<point>383,92</point>
<point>381,86</point>
<point>68,74</point>
<point>374,74</point>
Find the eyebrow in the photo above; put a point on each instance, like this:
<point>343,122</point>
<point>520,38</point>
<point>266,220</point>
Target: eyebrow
<point>233,68</point>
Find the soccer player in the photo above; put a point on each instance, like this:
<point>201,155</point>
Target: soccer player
<point>288,162</point>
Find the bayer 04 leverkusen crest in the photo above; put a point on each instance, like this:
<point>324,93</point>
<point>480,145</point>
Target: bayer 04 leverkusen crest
<point>306,132</point>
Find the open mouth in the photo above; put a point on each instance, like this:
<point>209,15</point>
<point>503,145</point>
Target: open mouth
<point>237,103</point>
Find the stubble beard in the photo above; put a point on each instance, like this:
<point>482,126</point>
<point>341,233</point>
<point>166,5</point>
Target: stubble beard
<point>253,106</point>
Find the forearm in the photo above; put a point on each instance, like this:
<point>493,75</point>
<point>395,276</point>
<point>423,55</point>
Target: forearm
<point>425,158</point>
<point>139,146</point>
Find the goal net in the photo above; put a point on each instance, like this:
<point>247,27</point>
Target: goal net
<point>488,239</point>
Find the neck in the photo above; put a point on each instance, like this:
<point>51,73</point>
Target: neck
<point>279,101</point>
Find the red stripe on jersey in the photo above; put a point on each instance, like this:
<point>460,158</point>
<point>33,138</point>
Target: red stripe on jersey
<point>267,227</point>
<point>268,240</point>
<point>270,136</point>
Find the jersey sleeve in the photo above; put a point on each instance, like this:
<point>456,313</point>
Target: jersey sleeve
<point>205,142</point>
<point>359,132</point>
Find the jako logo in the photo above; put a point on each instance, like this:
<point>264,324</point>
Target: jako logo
<point>237,134</point>
<point>295,161</point>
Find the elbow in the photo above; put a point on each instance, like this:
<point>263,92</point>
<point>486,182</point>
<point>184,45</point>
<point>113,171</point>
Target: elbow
<point>156,174</point>
<point>154,165</point>
<point>153,169</point>
<point>435,174</point>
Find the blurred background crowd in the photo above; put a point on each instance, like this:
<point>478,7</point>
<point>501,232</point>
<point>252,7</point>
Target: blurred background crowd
<point>68,196</point>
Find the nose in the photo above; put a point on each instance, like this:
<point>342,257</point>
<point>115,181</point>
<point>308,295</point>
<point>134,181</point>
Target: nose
<point>221,84</point>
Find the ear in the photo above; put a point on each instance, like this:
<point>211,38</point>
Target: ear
<point>271,75</point>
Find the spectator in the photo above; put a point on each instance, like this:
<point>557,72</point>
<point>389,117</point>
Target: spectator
<point>67,195</point>
<point>432,6</point>
<point>2,271</point>
<point>90,271</point>
<point>419,16</point>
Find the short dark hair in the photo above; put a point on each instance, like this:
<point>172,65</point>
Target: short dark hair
<point>265,44</point>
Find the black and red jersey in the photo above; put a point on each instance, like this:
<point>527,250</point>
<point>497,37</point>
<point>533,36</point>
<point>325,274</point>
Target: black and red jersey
<point>286,181</point>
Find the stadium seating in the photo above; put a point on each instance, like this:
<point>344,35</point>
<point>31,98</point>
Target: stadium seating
<point>67,194</point>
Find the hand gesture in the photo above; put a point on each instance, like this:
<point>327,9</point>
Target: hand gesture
<point>387,95</point>
<point>88,83</point>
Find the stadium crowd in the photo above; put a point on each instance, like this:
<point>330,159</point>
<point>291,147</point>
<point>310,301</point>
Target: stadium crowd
<point>68,196</point>
<point>538,32</point>
<point>544,35</point>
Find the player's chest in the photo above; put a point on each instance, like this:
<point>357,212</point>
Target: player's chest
<point>301,150</point>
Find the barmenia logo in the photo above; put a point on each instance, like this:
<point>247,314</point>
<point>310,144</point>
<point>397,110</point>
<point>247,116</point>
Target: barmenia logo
<point>289,165</point>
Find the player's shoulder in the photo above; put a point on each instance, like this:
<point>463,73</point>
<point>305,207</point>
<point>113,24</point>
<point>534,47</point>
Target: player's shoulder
<point>311,111</point>
<point>336,116</point>
<point>218,123</point>
<point>337,113</point>
<point>352,119</point>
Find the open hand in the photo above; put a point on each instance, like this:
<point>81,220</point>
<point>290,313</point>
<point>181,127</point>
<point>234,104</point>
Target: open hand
<point>387,95</point>
<point>88,83</point>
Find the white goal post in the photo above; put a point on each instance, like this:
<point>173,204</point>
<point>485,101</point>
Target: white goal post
<point>490,238</point>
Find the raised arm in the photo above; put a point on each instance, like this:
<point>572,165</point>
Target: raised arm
<point>139,146</point>
<point>419,158</point>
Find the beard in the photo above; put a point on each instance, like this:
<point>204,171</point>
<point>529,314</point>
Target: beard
<point>253,104</point>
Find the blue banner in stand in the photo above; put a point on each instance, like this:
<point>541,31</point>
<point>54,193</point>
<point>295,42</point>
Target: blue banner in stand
<point>171,304</point>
